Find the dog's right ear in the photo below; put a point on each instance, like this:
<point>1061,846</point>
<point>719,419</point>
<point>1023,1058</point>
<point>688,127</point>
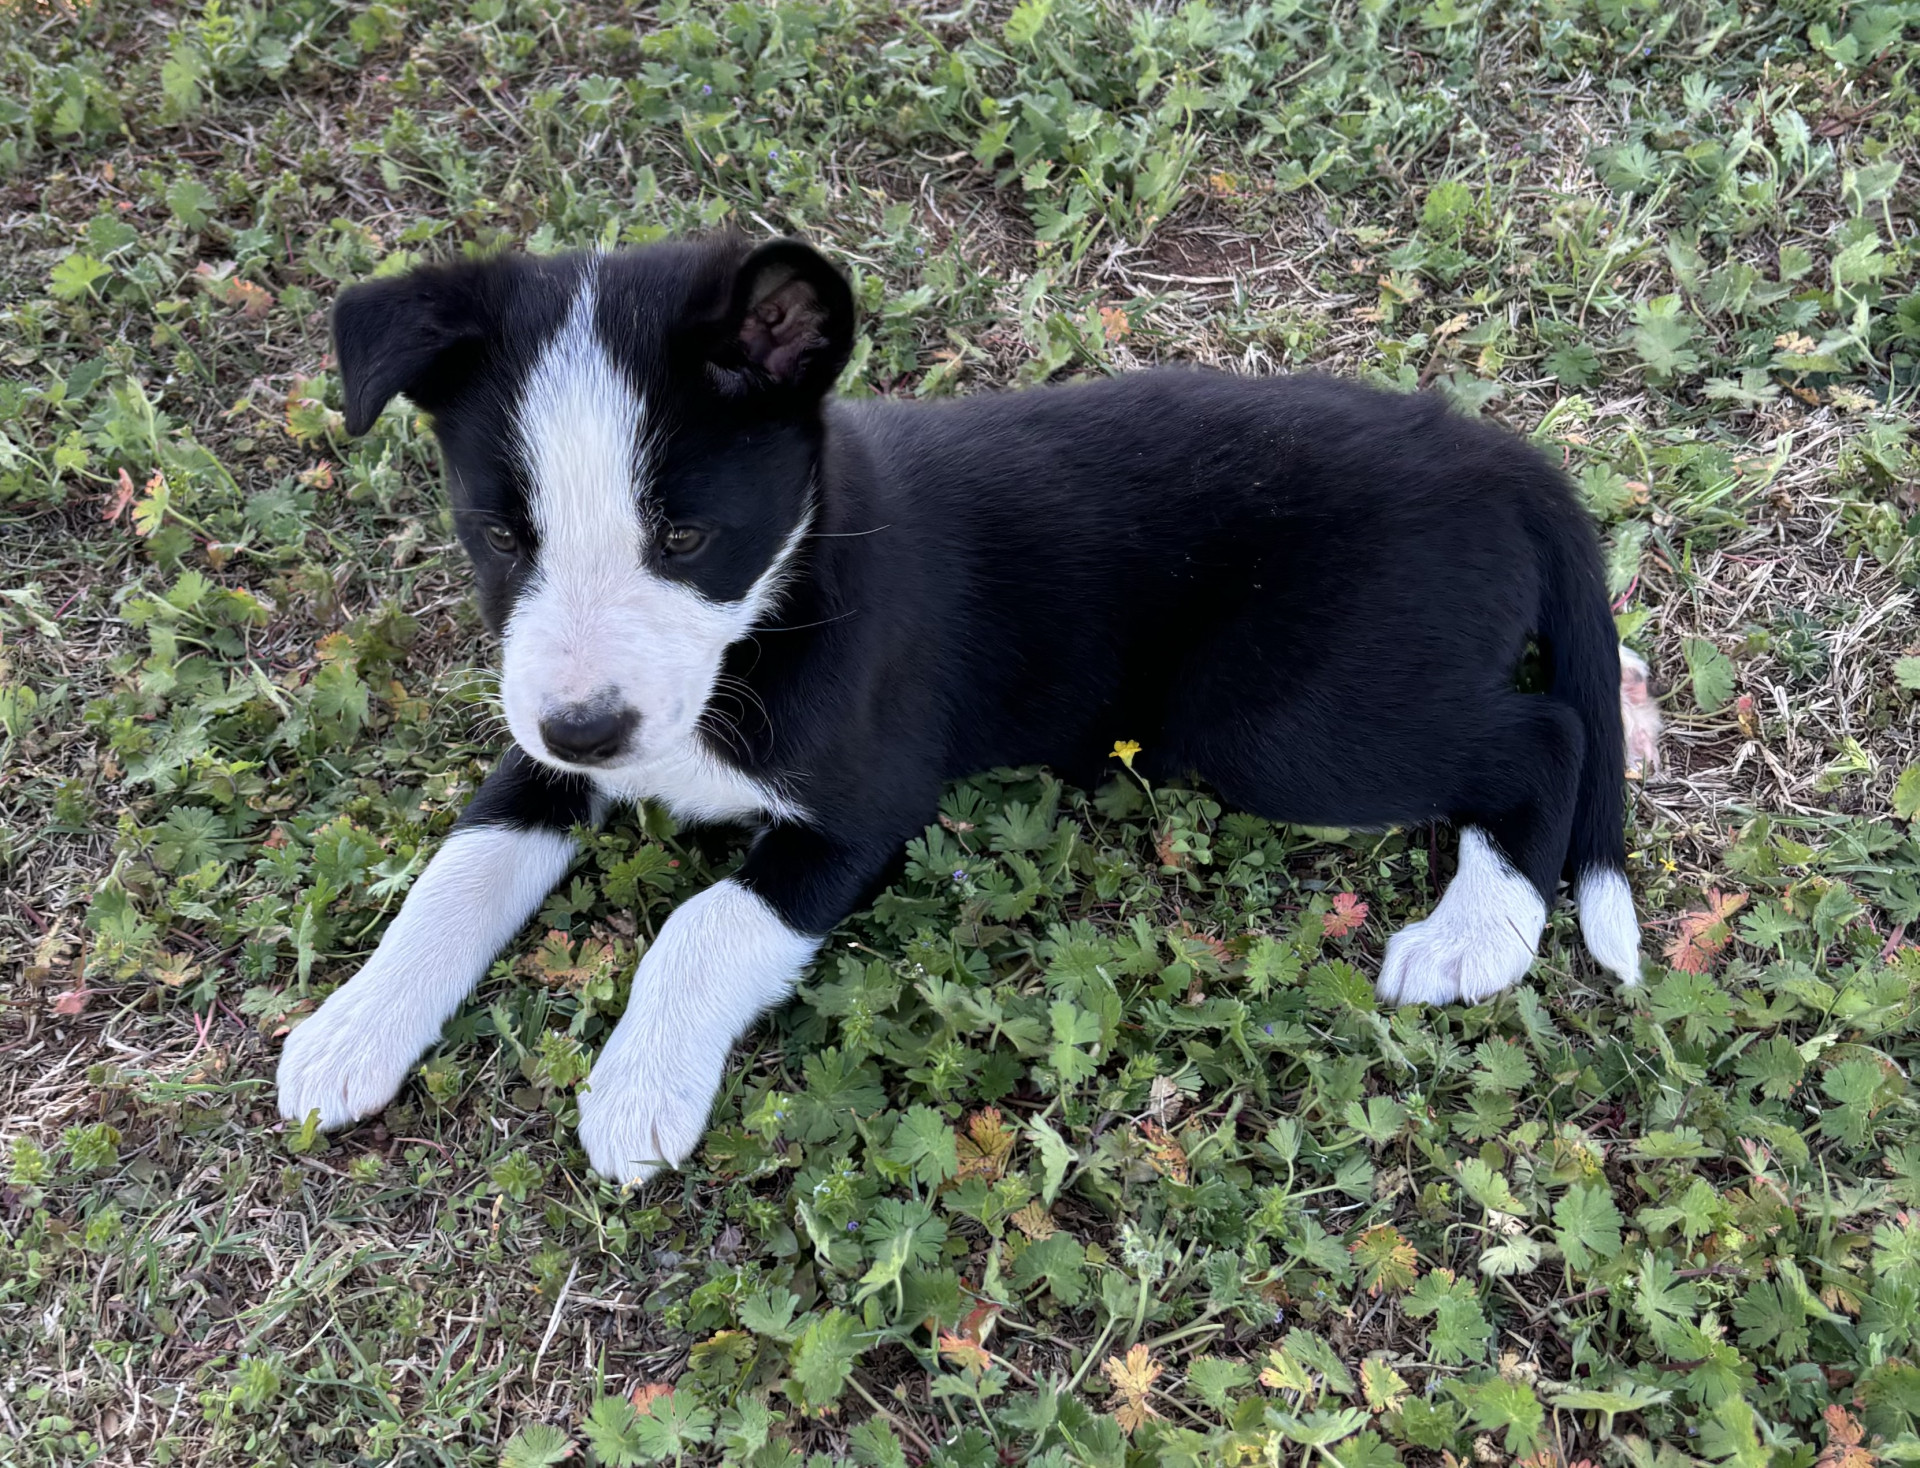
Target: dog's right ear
<point>420,334</point>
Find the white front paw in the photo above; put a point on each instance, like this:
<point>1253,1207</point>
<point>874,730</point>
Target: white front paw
<point>722,958</point>
<point>348,1061</point>
<point>645,1106</point>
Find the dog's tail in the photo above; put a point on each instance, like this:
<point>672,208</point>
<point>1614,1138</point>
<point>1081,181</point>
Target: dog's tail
<point>1585,654</point>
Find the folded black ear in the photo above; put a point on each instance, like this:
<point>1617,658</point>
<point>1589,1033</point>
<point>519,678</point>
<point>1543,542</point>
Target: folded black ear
<point>419,334</point>
<point>790,326</point>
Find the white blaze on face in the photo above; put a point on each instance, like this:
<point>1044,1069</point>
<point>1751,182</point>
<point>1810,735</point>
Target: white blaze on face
<point>594,626</point>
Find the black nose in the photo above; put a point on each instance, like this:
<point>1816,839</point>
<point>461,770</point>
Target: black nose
<point>588,736</point>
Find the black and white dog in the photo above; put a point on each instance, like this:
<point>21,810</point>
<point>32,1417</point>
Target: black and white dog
<point>720,589</point>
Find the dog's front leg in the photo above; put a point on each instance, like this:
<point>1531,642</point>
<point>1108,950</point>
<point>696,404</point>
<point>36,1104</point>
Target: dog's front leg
<point>722,959</point>
<point>509,850</point>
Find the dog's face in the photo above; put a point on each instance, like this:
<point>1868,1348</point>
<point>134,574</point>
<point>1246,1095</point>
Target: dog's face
<point>630,442</point>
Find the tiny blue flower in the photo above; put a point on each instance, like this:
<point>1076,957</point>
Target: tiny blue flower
<point>707,90</point>
<point>919,249</point>
<point>853,1226</point>
<point>959,874</point>
<point>1269,1029</point>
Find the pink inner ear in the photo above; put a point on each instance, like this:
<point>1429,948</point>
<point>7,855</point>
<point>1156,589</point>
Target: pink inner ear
<point>783,326</point>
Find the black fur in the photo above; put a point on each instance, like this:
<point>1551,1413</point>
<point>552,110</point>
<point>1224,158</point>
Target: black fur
<point>1312,594</point>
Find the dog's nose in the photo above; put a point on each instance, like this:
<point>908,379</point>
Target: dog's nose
<point>583,735</point>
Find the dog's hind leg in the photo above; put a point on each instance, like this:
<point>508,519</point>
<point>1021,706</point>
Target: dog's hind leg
<point>1483,935</point>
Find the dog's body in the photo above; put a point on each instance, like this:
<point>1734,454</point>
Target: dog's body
<point>722,591</point>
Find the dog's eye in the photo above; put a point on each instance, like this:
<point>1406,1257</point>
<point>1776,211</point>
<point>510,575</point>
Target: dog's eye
<point>502,539</point>
<point>683,541</point>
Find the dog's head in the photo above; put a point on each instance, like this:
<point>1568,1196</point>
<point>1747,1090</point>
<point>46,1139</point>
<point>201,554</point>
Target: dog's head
<point>630,442</point>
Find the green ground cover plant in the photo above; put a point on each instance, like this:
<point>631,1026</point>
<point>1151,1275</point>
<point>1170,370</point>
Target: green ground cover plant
<point>1088,1143</point>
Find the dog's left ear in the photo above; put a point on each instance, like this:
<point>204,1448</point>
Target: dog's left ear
<point>789,329</point>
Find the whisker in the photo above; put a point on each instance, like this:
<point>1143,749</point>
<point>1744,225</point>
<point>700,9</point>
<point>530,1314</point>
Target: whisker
<point>728,733</point>
<point>804,626</point>
<point>742,694</point>
<point>718,725</point>
<point>742,690</point>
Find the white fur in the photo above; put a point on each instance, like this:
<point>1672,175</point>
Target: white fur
<point>721,959</point>
<point>1480,939</point>
<point>595,625</point>
<point>1607,923</point>
<point>1639,715</point>
<point>351,1057</point>
<point>697,787</point>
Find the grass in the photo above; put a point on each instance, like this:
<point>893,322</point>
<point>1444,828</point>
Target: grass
<point>1088,1143</point>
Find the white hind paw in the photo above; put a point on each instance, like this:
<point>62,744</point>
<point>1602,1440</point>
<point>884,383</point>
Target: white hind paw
<point>1480,940</point>
<point>1439,962</point>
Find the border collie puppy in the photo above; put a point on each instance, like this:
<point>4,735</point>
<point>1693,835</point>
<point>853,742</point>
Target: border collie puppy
<point>720,588</point>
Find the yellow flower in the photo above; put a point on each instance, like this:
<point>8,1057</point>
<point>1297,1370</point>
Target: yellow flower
<point>1124,750</point>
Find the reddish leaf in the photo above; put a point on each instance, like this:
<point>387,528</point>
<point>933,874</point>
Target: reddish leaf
<point>964,1351</point>
<point>122,497</point>
<point>979,1321</point>
<point>646,1394</point>
<point>252,299</point>
<point>1347,915</point>
<point>1164,848</point>
<point>72,1002</point>
<point>1844,1434</point>
<point>1705,934</point>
